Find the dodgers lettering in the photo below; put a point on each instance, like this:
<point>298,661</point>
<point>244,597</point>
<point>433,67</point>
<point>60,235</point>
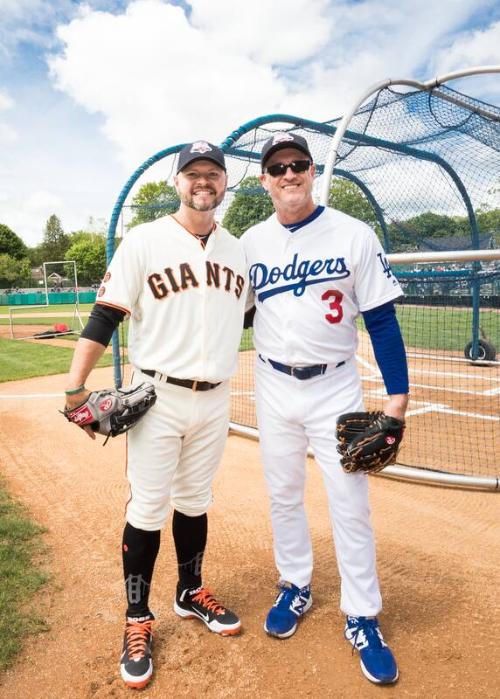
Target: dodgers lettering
<point>306,272</point>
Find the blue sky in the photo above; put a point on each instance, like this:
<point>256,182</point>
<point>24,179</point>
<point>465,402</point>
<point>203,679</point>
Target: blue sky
<point>89,90</point>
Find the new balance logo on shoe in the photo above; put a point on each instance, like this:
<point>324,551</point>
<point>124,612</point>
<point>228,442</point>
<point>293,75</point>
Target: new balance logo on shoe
<point>291,603</point>
<point>359,639</point>
<point>297,605</point>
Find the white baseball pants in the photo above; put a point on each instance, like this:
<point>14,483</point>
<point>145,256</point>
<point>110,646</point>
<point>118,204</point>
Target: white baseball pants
<point>174,451</point>
<point>293,414</point>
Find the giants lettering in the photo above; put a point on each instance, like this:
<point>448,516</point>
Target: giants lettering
<point>162,284</point>
<point>157,286</point>
<point>214,278</point>
<point>240,283</point>
<point>157,282</point>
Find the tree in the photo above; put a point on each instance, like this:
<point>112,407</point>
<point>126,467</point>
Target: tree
<point>251,204</point>
<point>488,221</point>
<point>11,244</point>
<point>406,234</point>
<point>153,200</point>
<point>88,250</point>
<point>347,197</point>
<point>14,272</point>
<point>55,241</point>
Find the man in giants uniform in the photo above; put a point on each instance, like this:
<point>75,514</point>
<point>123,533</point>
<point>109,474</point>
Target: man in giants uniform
<point>312,270</point>
<point>182,281</point>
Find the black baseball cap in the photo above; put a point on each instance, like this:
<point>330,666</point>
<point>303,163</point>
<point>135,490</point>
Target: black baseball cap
<point>283,140</point>
<point>200,150</point>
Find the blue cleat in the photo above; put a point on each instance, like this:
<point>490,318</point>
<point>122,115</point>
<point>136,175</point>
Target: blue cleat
<point>376,659</point>
<point>291,603</point>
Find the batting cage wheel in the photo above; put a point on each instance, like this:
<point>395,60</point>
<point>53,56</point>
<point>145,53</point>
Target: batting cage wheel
<point>486,351</point>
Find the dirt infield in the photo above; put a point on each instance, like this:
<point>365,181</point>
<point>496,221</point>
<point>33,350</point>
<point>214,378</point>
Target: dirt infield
<point>439,565</point>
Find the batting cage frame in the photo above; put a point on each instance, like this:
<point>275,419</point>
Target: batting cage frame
<point>419,152</point>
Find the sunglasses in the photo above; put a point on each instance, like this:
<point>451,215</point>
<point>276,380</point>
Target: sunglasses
<point>295,166</point>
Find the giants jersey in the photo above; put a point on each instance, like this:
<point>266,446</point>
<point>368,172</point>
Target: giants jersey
<point>185,302</point>
<point>309,285</point>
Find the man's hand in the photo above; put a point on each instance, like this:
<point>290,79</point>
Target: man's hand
<point>396,406</point>
<point>75,400</point>
<point>111,411</point>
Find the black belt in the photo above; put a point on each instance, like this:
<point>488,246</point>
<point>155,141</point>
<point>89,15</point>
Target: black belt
<point>186,383</point>
<point>300,372</point>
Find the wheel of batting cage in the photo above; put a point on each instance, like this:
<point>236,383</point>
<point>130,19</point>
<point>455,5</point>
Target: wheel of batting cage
<point>486,351</point>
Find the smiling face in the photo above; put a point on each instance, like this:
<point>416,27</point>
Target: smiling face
<point>291,192</point>
<point>201,185</point>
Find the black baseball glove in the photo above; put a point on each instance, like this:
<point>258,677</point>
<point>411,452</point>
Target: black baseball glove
<point>368,441</point>
<point>112,412</point>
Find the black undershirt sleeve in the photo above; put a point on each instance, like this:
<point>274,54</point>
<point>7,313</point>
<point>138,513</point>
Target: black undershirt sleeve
<point>102,323</point>
<point>249,315</point>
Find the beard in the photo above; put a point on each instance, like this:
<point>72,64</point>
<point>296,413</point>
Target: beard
<point>188,200</point>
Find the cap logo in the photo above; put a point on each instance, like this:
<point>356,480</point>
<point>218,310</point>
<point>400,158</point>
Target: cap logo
<point>280,137</point>
<point>200,147</point>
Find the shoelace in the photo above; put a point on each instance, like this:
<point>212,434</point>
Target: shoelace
<point>286,597</point>
<point>138,633</point>
<point>207,600</point>
<point>369,628</point>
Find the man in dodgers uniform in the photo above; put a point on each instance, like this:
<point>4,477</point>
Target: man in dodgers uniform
<point>182,281</point>
<point>312,270</point>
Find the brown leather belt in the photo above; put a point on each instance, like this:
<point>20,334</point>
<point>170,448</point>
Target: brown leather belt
<point>186,383</point>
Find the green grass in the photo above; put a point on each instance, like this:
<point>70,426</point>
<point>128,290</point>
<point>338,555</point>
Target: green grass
<point>20,549</point>
<point>53,308</point>
<point>246,340</point>
<point>45,318</point>
<point>24,360</point>
<point>446,329</point>
<point>42,320</point>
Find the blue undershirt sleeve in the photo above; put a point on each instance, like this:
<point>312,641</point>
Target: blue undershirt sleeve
<point>385,335</point>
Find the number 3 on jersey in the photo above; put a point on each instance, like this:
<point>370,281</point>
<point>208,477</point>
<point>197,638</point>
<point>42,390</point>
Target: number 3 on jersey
<point>335,305</point>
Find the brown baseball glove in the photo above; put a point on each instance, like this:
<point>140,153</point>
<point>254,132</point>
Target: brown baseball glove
<point>368,441</point>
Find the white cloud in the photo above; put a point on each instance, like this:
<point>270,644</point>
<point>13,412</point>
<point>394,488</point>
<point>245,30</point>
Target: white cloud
<point>26,212</point>
<point>43,201</point>
<point>476,48</point>
<point>157,80</point>
<point>152,76</point>
<point>273,32</point>
<point>6,102</point>
<point>32,21</point>
<point>7,134</point>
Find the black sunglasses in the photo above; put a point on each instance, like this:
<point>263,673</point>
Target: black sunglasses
<point>295,166</point>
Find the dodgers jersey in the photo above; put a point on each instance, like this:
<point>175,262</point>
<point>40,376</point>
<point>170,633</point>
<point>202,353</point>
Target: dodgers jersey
<point>309,285</point>
<point>186,302</point>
